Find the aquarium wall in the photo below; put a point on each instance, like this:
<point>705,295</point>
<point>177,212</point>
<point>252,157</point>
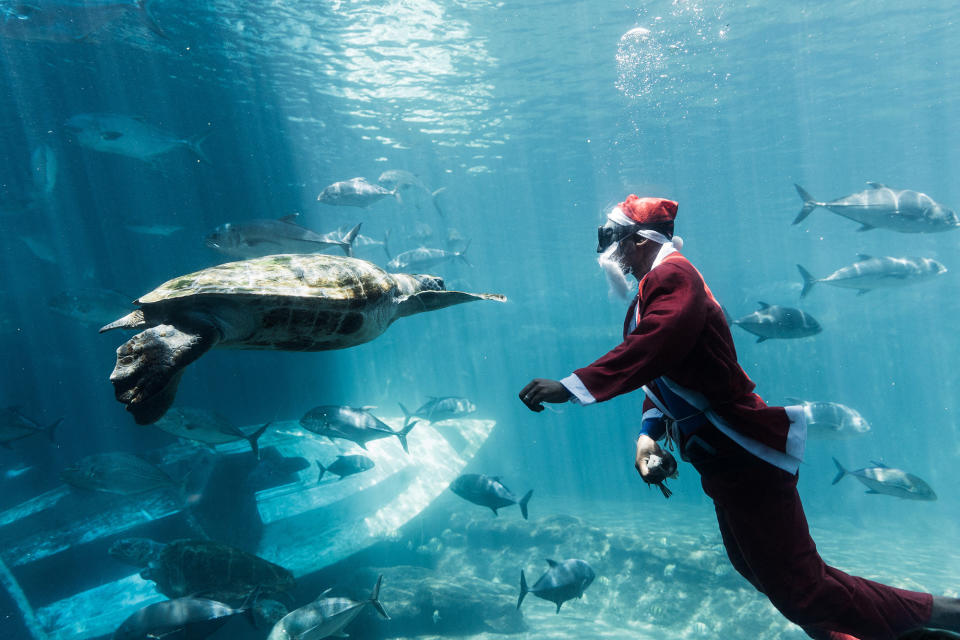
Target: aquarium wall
<point>481,143</point>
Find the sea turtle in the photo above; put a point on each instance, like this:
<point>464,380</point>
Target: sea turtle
<point>191,567</point>
<point>288,302</point>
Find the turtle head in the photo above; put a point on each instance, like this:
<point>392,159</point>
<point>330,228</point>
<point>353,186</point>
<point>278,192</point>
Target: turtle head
<point>139,552</point>
<point>428,283</point>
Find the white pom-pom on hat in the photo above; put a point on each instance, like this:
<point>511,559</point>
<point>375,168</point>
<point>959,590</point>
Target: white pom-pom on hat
<point>677,242</point>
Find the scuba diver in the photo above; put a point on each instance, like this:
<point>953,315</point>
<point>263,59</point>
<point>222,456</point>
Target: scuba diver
<point>677,347</point>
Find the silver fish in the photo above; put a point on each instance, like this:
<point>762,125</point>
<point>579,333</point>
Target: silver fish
<point>116,472</point>
<point>880,206</point>
<point>875,273</point>
<point>424,258</point>
<point>129,136</point>
<point>67,20</point>
<point>16,426</point>
<point>410,188</point>
<point>208,427</point>
<point>881,479</point>
<point>832,420</point>
<point>154,229</point>
<point>43,167</point>
<point>187,617</point>
<point>563,581</point>
<point>355,192</point>
<point>324,617</point>
<point>345,466</point>
<point>488,491</point>
<point>256,238</point>
<point>91,306</point>
<point>359,241</point>
<point>772,321</point>
<point>440,408</point>
<point>357,425</point>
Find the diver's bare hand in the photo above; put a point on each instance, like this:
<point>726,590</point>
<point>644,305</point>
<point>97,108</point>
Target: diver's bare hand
<point>540,390</point>
<point>646,446</point>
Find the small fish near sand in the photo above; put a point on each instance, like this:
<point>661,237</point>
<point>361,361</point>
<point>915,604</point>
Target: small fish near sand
<point>14,425</point>
<point>256,238</point>
<point>832,420</point>
<point>345,466</point>
<point>348,423</point>
<point>563,581</point>
<point>355,192</point>
<point>773,321</point>
<point>882,207</point>
<point>187,617</point>
<point>870,273</point>
<point>883,480</point>
<point>68,20</point>
<point>130,136</point>
<point>208,427</point>
<point>325,617</point>
<point>488,491</point>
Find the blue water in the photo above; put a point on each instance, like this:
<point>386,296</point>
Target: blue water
<point>534,117</point>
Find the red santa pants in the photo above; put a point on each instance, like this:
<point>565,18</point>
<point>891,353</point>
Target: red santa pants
<point>768,542</point>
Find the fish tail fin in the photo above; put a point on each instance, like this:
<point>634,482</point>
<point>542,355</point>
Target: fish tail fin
<point>375,599</point>
<point>249,603</point>
<point>460,255</point>
<point>193,143</point>
<point>254,437</point>
<point>349,238</point>
<point>809,204</point>
<point>523,503</point>
<point>403,434</point>
<point>524,590</point>
<point>323,470</point>
<point>143,6</point>
<point>808,281</point>
<point>727,316</point>
<point>840,472</point>
<point>51,428</point>
<point>406,414</point>
<point>436,203</point>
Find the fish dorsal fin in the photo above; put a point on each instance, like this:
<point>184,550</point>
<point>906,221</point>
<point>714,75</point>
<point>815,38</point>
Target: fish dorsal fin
<point>552,563</point>
<point>763,305</point>
<point>864,256</point>
<point>290,219</point>
<point>876,185</point>
<point>323,594</point>
<point>367,407</point>
<point>879,464</point>
<point>357,179</point>
<point>866,227</point>
<point>111,135</point>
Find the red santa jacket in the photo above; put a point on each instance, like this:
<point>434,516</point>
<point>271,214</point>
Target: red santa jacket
<point>681,333</point>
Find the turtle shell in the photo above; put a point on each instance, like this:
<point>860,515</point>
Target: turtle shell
<point>214,570</point>
<point>298,302</point>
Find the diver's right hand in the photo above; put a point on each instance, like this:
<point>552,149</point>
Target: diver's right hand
<point>645,447</point>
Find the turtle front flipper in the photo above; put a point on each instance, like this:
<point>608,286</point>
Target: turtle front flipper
<point>149,366</point>
<point>432,300</point>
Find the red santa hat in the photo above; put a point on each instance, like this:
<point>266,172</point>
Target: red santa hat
<point>653,217</point>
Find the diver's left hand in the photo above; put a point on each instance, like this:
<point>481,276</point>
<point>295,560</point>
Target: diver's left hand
<point>540,390</point>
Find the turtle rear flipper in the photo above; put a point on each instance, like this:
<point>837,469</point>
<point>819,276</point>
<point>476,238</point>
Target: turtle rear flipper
<point>431,300</point>
<point>149,366</point>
